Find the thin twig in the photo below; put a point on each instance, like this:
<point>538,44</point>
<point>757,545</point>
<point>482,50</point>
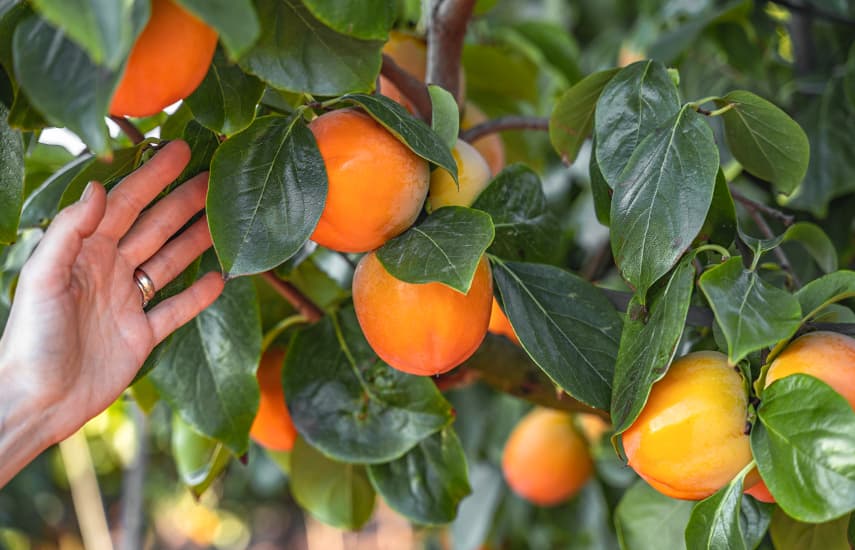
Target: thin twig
<point>598,263</point>
<point>786,219</point>
<point>764,228</point>
<point>511,122</point>
<point>446,28</point>
<point>812,11</point>
<point>306,307</point>
<point>412,88</point>
<point>129,129</point>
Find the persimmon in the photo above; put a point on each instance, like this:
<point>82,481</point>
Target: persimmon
<point>499,323</point>
<point>473,175</point>
<point>422,329</point>
<point>490,146</point>
<point>546,460</point>
<point>376,184</point>
<point>167,62</point>
<point>690,438</point>
<point>272,427</point>
<point>593,427</point>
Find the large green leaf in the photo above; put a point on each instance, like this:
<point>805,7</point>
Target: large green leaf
<point>752,313</point>
<point>198,459</point>
<point>225,101</point>
<point>720,226</point>
<point>369,19</point>
<point>804,446</point>
<point>235,20</point>
<point>109,174</point>
<point>826,290</point>
<point>267,190</point>
<point>43,203</point>
<point>715,521</point>
<point>661,199</point>
<point>299,53</point>
<point>348,403</point>
<point>567,326</point>
<point>790,534</point>
<point>645,518</point>
<point>446,248</point>
<point>647,346</point>
<point>572,117</point>
<point>765,140</point>
<point>11,178</point>
<point>427,484</point>
<point>337,494</point>
<point>475,515</point>
<point>105,29</point>
<point>525,228</point>
<point>636,101</point>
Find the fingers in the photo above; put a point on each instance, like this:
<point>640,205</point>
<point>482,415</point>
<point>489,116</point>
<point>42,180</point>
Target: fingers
<point>174,258</point>
<point>174,312</point>
<point>158,224</point>
<point>127,200</point>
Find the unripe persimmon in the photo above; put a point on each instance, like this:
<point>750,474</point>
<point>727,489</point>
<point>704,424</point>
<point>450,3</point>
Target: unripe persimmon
<point>499,323</point>
<point>473,175</point>
<point>167,62</point>
<point>376,184</point>
<point>689,440</point>
<point>546,460</point>
<point>423,329</point>
<point>490,146</point>
<point>272,427</point>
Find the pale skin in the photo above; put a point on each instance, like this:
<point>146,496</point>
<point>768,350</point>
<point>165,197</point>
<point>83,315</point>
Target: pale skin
<point>77,333</point>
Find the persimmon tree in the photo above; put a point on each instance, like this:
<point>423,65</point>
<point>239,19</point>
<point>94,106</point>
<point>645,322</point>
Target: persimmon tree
<point>677,177</point>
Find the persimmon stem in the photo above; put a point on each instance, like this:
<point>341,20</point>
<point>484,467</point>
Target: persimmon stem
<point>128,128</point>
<point>446,28</point>
<point>300,301</point>
<point>511,122</point>
<point>413,89</point>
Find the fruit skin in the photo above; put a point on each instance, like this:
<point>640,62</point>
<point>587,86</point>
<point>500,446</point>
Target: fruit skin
<point>167,62</point>
<point>499,323</point>
<point>546,460</point>
<point>422,329</point>
<point>473,174</point>
<point>272,427</point>
<point>689,440</point>
<point>376,184</point>
<point>490,146</point>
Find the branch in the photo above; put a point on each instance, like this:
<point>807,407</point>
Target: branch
<point>511,122</point>
<point>446,28</point>
<point>812,11</point>
<point>412,88</point>
<point>129,129</point>
<point>300,301</point>
<point>786,265</point>
<point>786,219</point>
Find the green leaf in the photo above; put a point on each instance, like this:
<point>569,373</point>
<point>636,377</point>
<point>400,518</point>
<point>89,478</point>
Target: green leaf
<point>572,117</point>
<point>207,371</point>
<point>476,512</point>
<point>790,534</point>
<point>63,83</point>
<point>600,190</point>
<point>267,190</point>
<point>427,484</point>
<point>661,199</point>
<point>411,131</point>
<point>754,519</point>
<point>335,493</point>
<point>647,347</point>
<point>43,203</point>
<point>105,29</point>
<point>368,19</point>
<point>816,242</point>
<point>297,52</point>
<point>645,518</point>
<point>498,71</point>
<point>41,161</point>
<point>567,326</point>
<point>345,401</point>
<point>203,144</point>
<point>198,459</point>
<point>235,20</point>
<point>11,178</point>
<point>525,228</point>
<point>636,101</point>
<point>804,446</point>
<point>557,46</point>
<point>752,313</point>
<point>446,248</point>
<point>720,226</point>
<point>715,521</point>
<point>765,140</point>
<point>445,117</point>
<point>225,101</point>
<point>109,174</point>
<point>828,289</point>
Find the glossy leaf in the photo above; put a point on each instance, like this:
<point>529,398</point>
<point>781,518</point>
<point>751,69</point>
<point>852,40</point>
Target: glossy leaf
<point>109,174</point>
<point>754,519</point>
<point>368,19</point>
<point>567,326</point>
<point>198,459</point>
<point>715,521</point>
<point>524,226</point>
<point>790,534</point>
<point>267,190</point>
<point>662,198</point>
<point>43,203</point>
<point>720,226</point>
<point>572,117</point>
<point>645,518</point>
<point>816,243</point>
<point>804,445</point>
<point>826,290</point>
<point>765,140</point>
<point>752,313</point>
<point>297,52</point>
<point>445,248</point>
<point>348,403</point>
<point>475,515</point>
<point>336,493</point>
<point>236,22</point>
<point>203,144</point>
<point>445,117</point>
<point>600,190</point>
<point>11,178</point>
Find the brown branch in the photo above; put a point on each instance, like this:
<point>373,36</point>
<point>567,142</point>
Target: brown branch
<point>412,88</point>
<point>764,228</point>
<point>511,122</point>
<point>300,301</point>
<point>129,129</point>
<point>446,29</point>
<point>786,219</point>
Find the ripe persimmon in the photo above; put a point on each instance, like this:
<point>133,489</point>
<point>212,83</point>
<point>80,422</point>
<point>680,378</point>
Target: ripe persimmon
<point>167,62</point>
<point>546,460</point>
<point>473,176</point>
<point>423,329</point>
<point>690,439</point>
<point>272,427</point>
<point>377,185</point>
<point>499,323</point>
<point>490,146</point>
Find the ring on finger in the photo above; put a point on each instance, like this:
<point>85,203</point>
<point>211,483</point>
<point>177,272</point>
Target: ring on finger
<point>145,284</point>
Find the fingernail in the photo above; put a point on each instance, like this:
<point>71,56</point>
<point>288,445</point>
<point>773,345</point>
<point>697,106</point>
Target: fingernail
<point>90,188</point>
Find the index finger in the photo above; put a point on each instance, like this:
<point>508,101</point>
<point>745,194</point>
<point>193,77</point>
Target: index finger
<point>127,200</point>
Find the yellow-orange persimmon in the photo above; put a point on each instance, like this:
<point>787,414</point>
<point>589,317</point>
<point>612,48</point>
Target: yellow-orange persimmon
<point>490,146</point>
<point>689,440</point>
<point>473,175</point>
<point>546,460</point>
<point>272,427</point>
<point>499,323</point>
<point>423,329</point>
<point>376,184</point>
<point>167,62</point>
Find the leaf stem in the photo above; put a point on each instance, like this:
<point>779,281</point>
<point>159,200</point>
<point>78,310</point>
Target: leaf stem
<point>129,129</point>
<point>511,122</point>
<point>722,251</point>
<point>721,111</point>
<point>281,327</point>
<point>300,301</point>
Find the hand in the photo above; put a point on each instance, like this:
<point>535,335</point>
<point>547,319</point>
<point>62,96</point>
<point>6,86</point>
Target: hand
<point>77,333</point>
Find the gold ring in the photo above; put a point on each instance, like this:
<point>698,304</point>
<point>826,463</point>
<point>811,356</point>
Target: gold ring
<point>145,284</point>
